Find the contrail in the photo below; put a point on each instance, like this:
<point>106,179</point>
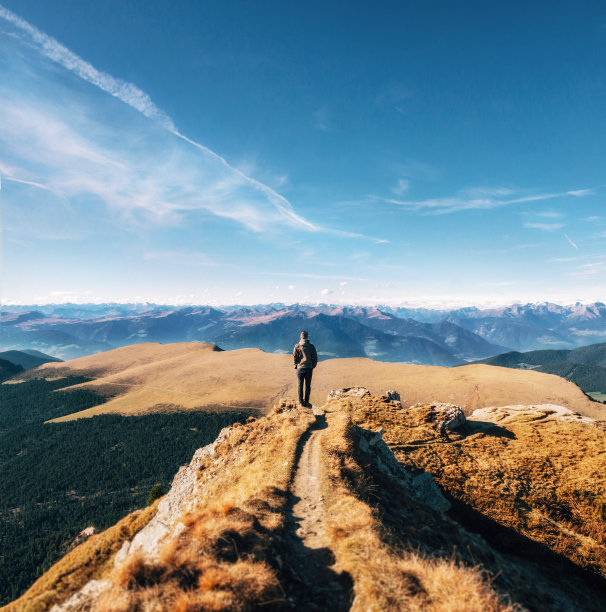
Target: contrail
<point>571,242</point>
<point>136,98</point>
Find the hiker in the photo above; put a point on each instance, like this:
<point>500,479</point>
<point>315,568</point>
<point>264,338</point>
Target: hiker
<point>306,359</point>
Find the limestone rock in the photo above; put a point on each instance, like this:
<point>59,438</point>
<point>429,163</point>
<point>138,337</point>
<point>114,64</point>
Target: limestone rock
<point>348,391</point>
<point>421,486</point>
<point>427,491</point>
<point>504,415</point>
<point>84,599</point>
<point>179,499</point>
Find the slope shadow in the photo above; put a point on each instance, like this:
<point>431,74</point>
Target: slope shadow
<point>306,574</point>
<point>506,540</point>
<point>470,428</point>
<point>487,427</point>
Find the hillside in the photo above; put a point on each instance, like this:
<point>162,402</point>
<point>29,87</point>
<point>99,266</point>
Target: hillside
<point>585,366</point>
<point>147,378</point>
<point>27,359</point>
<point>537,470</point>
<point>8,369</point>
<point>312,511</point>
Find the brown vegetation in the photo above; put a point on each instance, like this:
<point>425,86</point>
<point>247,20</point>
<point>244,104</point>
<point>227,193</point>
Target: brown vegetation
<point>529,471</point>
<point>394,569</point>
<point>227,554</point>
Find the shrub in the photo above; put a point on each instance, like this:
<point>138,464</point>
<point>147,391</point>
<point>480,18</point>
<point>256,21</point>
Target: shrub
<point>156,491</point>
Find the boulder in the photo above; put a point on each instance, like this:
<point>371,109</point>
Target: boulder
<point>448,417</point>
<point>391,396</point>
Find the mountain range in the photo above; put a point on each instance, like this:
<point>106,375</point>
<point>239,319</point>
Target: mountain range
<point>340,332</point>
<point>422,336</point>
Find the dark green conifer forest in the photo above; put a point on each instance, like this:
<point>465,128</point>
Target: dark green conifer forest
<point>59,478</point>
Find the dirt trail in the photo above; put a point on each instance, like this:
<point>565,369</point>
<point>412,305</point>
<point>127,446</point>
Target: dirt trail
<point>309,510</point>
<point>318,585</point>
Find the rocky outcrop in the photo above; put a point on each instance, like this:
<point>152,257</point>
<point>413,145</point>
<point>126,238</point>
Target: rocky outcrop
<point>449,417</point>
<point>392,396</point>
<point>420,486</point>
<point>348,392</point>
<point>525,414</point>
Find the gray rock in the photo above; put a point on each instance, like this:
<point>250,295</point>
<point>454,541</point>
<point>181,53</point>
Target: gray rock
<point>84,599</point>
<point>349,391</point>
<point>427,492</point>
<point>448,417</point>
<point>391,395</point>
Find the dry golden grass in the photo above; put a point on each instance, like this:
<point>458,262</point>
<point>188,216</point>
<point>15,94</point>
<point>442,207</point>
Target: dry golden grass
<point>226,556</point>
<point>90,560</point>
<point>142,377</point>
<point>542,477</point>
<point>387,574</point>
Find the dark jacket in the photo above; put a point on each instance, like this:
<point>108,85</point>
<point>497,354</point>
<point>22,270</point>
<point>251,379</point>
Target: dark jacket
<point>305,355</point>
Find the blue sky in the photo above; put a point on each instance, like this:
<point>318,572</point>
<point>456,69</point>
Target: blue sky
<point>234,152</point>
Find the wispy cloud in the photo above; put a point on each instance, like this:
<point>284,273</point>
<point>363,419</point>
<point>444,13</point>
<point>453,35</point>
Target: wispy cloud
<point>219,188</point>
<point>339,277</point>
<point>402,186</point>
<point>546,214</point>
<point>182,258</point>
<point>321,119</point>
<point>479,198</point>
<point>547,227</point>
<point>588,269</point>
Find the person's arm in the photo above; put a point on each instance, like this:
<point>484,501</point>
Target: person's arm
<point>296,354</point>
<point>314,356</point>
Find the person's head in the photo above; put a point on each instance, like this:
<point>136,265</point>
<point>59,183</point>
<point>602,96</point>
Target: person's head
<point>304,335</point>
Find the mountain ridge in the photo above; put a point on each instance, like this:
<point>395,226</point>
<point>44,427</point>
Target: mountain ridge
<point>585,366</point>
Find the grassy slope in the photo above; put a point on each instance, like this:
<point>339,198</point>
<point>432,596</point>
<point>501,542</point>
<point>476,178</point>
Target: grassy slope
<point>193,375</point>
<point>590,378</point>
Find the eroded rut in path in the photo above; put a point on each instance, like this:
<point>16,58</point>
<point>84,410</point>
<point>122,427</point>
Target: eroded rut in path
<point>318,585</point>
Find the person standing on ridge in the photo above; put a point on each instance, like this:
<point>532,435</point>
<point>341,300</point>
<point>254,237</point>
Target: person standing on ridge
<point>306,359</point>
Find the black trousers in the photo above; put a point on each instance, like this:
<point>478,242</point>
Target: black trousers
<point>304,374</point>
